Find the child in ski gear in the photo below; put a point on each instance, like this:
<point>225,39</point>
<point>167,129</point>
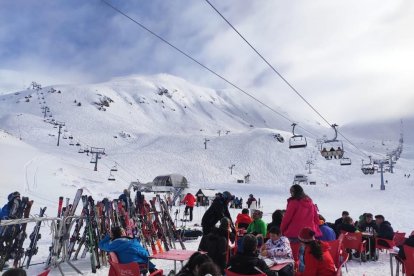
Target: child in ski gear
<point>216,243</point>
<point>318,261</point>
<point>243,219</point>
<point>127,249</point>
<point>248,262</point>
<point>189,201</point>
<point>300,212</point>
<point>258,226</point>
<point>217,210</point>
<point>278,248</point>
<point>328,234</point>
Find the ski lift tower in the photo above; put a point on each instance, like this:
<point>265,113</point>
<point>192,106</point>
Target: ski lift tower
<point>382,175</point>
<point>60,124</point>
<point>309,163</point>
<point>97,152</point>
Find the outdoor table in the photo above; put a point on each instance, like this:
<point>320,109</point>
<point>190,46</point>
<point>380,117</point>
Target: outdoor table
<point>174,255</point>
<point>369,236</point>
<point>278,267</point>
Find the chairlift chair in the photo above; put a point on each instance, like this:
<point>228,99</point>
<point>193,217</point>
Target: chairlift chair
<point>81,150</point>
<point>70,137</point>
<point>345,161</point>
<point>78,144</point>
<point>64,136</point>
<point>297,141</point>
<point>114,168</point>
<point>71,143</point>
<point>333,147</point>
<point>111,177</point>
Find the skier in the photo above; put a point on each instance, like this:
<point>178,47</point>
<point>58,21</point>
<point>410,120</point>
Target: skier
<point>189,201</point>
<point>250,201</point>
<point>218,209</point>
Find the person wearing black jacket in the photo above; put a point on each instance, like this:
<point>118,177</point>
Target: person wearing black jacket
<point>339,221</point>
<point>385,230</point>
<point>216,244</point>
<point>247,261</point>
<point>218,209</point>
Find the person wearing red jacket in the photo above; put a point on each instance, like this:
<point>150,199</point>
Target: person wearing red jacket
<point>243,219</point>
<point>189,201</point>
<point>300,213</point>
<point>317,258</point>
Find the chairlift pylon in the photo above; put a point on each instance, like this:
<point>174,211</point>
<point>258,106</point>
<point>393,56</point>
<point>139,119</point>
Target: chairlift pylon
<point>297,140</point>
<point>333,147</point>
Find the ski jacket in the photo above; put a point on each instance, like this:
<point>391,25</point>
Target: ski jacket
<point>9,210</point>
<point>257,226</point>
<point>245,263</point>
<point>215,213</point>
<point>243,220</point>
<point>328,234</point>
<point>250,200</point>
<point>299,214</point>
<point>216,246</point>
<point>189,200</point>
<point>128,250</point>
<point>279,249</point>
<point>315,267</point>
<point>385,231</point>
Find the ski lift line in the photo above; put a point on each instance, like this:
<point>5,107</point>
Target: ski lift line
<point>202,65</point>
<point>280,75</point>
<point>274,70</point>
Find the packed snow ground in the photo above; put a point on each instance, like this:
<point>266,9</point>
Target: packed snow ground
<point>161,134</point>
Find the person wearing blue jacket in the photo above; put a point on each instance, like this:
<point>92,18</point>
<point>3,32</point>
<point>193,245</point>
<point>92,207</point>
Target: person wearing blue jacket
<point>328,234</point>
<point>127,249</point>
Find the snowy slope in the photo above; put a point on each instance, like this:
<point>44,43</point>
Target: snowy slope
<point>159,134</point>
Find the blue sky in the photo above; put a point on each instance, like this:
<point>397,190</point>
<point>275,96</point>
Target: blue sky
<point>357,54</point>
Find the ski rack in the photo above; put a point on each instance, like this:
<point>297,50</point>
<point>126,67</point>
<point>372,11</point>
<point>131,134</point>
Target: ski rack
<point>57,230</point>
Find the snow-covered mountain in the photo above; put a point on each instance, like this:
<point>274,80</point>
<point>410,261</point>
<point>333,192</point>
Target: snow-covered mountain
<point>154,125</point>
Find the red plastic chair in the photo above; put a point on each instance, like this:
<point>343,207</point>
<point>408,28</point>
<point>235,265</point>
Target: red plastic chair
<point>130,269</point>
<point>409,260</point>
<point>231,273</point>
<point>354,241</point>
<point>399,238</point>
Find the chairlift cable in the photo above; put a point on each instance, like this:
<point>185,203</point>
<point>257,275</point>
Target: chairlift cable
<point>280,75</point>
<point>201,64</point>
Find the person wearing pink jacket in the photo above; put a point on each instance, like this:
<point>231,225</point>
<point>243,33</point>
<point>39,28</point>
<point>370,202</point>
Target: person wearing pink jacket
<point>300,212</point>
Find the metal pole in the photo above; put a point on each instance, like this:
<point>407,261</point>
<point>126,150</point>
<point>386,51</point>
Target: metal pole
<point>60,127</point>
<point>96,161</point>
<point>382,177</point>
